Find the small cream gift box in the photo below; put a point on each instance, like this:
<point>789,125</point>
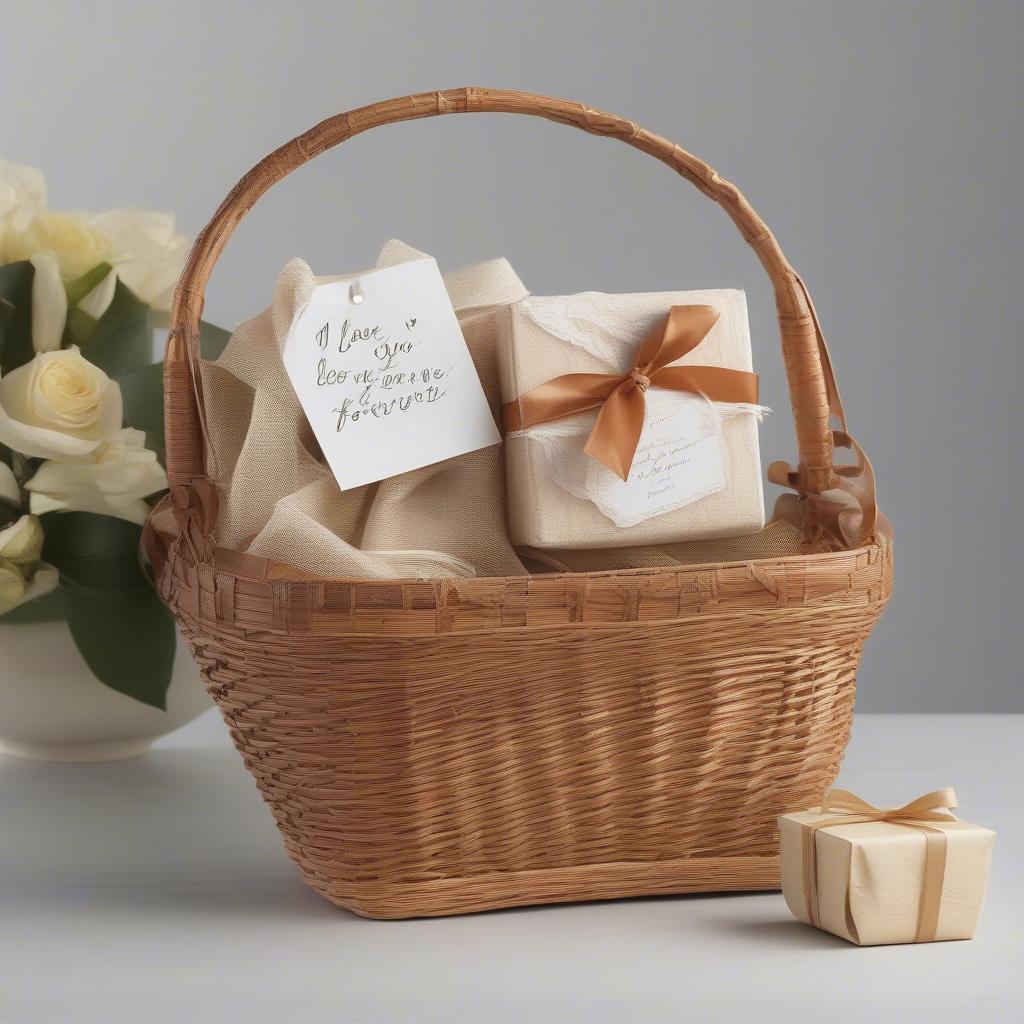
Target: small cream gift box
<point>563,495</point>
<point>876,876</point>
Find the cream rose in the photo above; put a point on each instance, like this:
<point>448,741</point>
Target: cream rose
<point>49,304</point>
<point>58,406</point>
<point>146,250</point>
<point>12,586</point>
<point>10,492</point>
<point>22,542</point>
<point>22,196</point>
<point>22,576</point>
<point>112,482</point>
<point>73,242</point>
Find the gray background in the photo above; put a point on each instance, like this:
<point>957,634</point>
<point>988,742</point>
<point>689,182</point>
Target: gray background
<point>881,141</point>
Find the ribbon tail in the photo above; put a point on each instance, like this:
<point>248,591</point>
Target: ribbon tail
<point>563,396</point>
<point>716,383</point>
<point>858,481</point>
<point>683,330</point>
<point>851,514</point>
<point>809,857</point>
<point>932,885</point>
<point>617,431</point>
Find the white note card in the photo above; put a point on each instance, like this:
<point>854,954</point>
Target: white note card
<point>382,371</point>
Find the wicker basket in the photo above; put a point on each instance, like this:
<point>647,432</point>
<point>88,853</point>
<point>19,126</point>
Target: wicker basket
<point>442,746</point>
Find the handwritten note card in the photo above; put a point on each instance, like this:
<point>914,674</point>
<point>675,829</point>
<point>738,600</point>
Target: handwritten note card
<point>383,373</point>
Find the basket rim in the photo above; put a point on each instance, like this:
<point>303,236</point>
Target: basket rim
<point>821,583</point>
<point>879,540</point>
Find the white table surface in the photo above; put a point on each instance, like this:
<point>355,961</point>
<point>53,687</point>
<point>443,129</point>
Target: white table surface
<point>158,890</point>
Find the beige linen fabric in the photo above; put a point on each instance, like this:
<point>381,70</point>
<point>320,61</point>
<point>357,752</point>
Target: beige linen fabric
<point>544,337</point>
<point>278,498</point>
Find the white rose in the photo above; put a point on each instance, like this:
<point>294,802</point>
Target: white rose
<point>112,483</point>
<point>146,250</point>
<point>9,490</point>
<point>58,406</point>
<point>15,589</point>
<point>12,586</point>
<point>21,543</point>
<point>22,196</point>
<point>22,576</point>
<point>49,304</point>
<point>75,244</point>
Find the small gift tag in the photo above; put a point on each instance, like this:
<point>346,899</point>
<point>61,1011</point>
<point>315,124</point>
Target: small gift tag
<point>679,459</point>
<point>382,371</point>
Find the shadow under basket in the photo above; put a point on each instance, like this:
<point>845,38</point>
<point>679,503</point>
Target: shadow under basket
<point>435,747</point>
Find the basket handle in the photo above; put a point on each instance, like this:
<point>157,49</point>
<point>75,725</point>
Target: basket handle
<point>813,392</point>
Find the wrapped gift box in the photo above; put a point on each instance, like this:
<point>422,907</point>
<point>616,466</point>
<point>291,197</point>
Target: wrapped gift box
<point>559,497</point>
<point>913,878</point>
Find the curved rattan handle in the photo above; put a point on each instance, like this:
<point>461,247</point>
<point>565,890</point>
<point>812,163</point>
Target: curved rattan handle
<point>812,386</point>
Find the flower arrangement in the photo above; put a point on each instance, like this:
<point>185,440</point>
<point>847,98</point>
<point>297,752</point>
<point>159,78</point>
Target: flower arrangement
<point>81,425</point>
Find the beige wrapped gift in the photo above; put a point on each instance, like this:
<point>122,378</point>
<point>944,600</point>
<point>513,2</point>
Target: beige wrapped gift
<point>877,876</point>
<point>696,471</point>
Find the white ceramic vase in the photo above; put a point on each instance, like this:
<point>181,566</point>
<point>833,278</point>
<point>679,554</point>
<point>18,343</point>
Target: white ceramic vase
<point>52,708</point>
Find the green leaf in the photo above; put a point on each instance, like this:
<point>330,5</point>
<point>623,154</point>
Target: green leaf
<point>16,315</point>
<point>96,555</point>
<point>128,641</point>
<point>123,632</point>
<point>79,328</point>
<point>143,394</point>
<point>212,340</point>
<point>48,608</point>
<point>78,289</point>
<point>9,514</point>
<point>143,389</point>
<point>123,340</point>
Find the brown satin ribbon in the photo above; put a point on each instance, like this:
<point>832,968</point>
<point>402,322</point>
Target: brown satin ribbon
<point>620,397</point>
<point>916,815</point>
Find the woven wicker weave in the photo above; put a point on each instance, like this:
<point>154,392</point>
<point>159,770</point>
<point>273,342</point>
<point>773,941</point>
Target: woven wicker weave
<point>437,747</point>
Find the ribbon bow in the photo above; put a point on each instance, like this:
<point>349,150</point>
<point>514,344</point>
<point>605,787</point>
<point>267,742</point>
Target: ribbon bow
<point>620,396</point>
<point>916,815</point>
